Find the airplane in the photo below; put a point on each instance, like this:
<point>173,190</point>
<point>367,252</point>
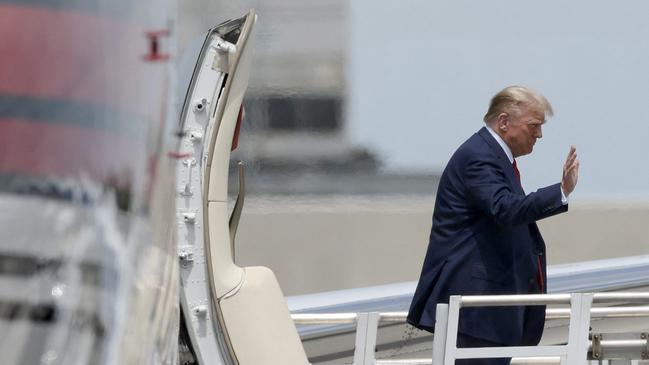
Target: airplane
<point>108,198</point>
<point>88,262</point>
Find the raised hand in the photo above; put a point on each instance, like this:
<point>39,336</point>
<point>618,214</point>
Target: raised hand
<point>570,172</point>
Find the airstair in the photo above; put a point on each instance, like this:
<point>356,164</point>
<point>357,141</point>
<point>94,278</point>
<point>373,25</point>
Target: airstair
<point>583,345</point>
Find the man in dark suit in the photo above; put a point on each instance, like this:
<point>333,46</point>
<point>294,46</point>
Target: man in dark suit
<point>484,238</point>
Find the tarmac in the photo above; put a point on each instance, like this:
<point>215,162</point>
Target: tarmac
<point>322,242</point>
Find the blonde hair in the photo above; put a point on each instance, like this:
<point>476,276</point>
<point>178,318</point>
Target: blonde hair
<point>512,98</point>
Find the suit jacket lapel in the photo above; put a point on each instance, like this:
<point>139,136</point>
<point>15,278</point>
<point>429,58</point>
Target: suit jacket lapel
<point>502,158</point>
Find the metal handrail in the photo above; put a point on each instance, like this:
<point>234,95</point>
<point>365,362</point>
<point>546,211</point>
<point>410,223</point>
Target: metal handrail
<point>514,361</point>
<point>400,317</point>
<point>445,349</point>
<point>605,345</point>
<point>542,299</point>
<point>617,312</point>
<point>393,317</point>
<point>510,300</point>
<point>639,297</point>
<point>324,318</point>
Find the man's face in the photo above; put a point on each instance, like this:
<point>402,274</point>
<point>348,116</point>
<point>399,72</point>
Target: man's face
<point>520,132</point>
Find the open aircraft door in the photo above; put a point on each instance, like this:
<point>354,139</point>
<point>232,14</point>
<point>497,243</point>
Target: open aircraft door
<point>232,314</point>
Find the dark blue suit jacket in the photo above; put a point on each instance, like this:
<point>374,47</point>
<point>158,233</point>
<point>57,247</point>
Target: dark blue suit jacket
<point>484,240</point>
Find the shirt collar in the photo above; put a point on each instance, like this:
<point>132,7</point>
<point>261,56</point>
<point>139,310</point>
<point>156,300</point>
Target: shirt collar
<point>502,144</point>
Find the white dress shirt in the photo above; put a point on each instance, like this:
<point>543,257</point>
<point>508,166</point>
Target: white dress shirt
<point>510,156</point>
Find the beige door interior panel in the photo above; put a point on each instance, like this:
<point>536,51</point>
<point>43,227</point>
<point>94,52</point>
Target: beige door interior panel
<point>259,323</point>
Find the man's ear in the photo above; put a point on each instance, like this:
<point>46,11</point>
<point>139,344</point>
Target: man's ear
<point>502,122</point>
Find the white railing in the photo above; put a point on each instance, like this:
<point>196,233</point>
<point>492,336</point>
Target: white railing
<point>445,349</point>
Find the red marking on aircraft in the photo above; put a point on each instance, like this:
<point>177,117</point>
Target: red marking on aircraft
<point>179,155</point>
<point>154,46</point>
<point>64,54</point>
<point>237,129</point>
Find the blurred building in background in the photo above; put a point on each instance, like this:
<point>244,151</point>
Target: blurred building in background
<point>295,110</point>
<point>295,137</point>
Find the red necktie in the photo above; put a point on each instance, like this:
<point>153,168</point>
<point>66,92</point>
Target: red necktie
<point>539,273</point>
<point>518,174</point>
<point>539,269</point>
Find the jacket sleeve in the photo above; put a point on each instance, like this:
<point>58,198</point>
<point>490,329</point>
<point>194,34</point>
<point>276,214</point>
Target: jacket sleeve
<point>489,190</point>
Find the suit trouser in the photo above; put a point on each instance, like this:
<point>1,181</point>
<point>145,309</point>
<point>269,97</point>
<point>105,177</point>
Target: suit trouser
<point>469,341</point>
<point>532,330</point>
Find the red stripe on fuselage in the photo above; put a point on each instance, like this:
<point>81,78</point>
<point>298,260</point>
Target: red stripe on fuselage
<point>67,54</point>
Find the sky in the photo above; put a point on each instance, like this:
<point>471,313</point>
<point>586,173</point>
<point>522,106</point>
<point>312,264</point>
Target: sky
<point>420,75</point>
